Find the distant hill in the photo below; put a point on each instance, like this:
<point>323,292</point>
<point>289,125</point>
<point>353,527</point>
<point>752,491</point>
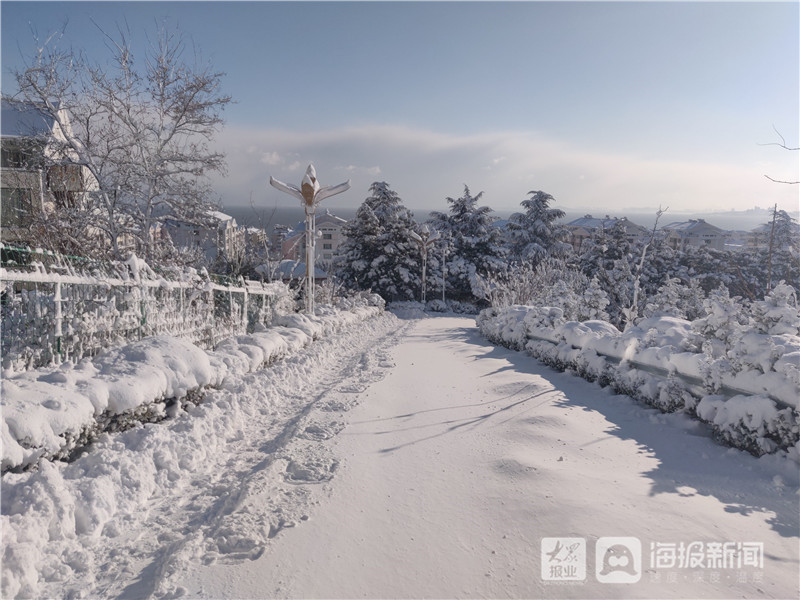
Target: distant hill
<point>732,220</point>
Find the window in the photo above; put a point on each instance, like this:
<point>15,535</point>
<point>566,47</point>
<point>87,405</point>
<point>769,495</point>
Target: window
<point>327,236</point>
<point>16,207</point>
<point>13,158</point>
<point>327,246</point>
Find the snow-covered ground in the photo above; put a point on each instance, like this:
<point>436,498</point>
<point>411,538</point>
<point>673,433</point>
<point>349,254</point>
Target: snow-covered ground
<point>407,458</point>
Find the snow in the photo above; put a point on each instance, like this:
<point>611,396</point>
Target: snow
<point>389,458</point>
<point>661,362</point>
<point>46,410</point>
<point>457,464</point>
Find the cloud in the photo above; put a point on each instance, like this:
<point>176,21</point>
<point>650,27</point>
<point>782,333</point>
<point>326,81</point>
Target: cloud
<point>425,167</point>
<point>271,159</point>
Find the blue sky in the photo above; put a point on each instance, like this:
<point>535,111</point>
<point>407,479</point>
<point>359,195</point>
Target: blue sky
<point>607,106</point>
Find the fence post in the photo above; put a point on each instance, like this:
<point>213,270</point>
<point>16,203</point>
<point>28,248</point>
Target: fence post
<point>59,318</point>
<point>244,305</point>
<point>142,310</point>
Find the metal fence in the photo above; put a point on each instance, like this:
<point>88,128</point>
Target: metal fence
<point>57,308</point>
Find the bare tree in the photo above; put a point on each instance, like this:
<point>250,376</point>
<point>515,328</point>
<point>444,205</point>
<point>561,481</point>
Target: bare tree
<point>781,144</point>
<point>632,312</point>
<point>142,132</point>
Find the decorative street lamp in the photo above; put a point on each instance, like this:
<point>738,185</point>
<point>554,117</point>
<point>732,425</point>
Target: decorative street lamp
<point>310,194</point>
<point>425,239</point>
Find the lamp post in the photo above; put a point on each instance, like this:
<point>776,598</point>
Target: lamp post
<point>444,267</point>
<point>425,240</point>
<point>310,194</point>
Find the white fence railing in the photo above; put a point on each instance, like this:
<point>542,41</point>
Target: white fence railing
<point>50,316</point>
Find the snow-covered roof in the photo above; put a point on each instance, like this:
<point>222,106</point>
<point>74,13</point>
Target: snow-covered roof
<point>24,122</point>
<point>590,222</point>
<point>329,217</point>
<point>221,216</point>
<point>767,227</point>
<point>690,225</point>
<point>297,270</point>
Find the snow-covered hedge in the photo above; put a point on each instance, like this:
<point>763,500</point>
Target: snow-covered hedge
<point>51,412</point>
<point>748,390</point>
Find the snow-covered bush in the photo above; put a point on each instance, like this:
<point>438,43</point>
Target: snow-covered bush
<point>551,283</point>
<point>753,423</point>
<point>778,313</point>
<point>723,320</point>
<point>676,300</point>
<point>660,363</point>
<point>50,413</point>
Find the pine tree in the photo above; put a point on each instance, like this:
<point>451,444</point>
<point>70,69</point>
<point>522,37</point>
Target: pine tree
<point>594,303</point>
<point>723,317</point>
<point>534,233</point>
<point>778,313</point>
<point>475,247</point>
<point>378,253</point>
<point>781,251</point>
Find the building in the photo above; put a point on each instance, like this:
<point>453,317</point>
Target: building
<point>758,238</point>
<point>588,226</point>
<point>38,172</point>
<point>219,236</point>
<point>694,232</point>
<point>329,237</point>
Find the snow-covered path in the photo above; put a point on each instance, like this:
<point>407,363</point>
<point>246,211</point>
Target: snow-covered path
<point>456,470</point>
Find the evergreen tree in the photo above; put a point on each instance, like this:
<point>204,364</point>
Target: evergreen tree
<point>534,233</point>
<point>475,247</point>
<point>781,249</point>
<point>723,319</point>
<point>378,253</point>
<point>675,299</point>
<point>778,313</point>
<point>594,303</point>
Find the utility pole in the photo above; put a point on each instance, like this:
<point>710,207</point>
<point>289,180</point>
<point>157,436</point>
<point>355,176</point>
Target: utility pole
<point>425,239</point>
<point>310,194</point>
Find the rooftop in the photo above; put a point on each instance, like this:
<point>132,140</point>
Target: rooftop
<point>24,121</point>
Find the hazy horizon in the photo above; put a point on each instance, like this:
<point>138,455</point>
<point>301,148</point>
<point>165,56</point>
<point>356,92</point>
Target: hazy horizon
<point>731,220</point>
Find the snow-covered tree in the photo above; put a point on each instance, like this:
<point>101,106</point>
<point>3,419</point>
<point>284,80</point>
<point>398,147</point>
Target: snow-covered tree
<point>534,233</point>
<point>551,283</point>
<point>378,253</point>
<point>475,247</point>
<point>593,303</point>
<point>781,248</point>
<point>778,313</point>
<point>142,129</point>
<point>675,299</point>
<point>724,317</point>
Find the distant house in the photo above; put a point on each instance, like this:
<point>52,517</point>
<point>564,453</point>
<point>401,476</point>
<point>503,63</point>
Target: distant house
<point>588,226</point>
<point>292,270</point>
<point>696,233</point>
<point>329,236</point>
<point>38,173</point>
<point>219,236</point>
<point>758,238</point>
